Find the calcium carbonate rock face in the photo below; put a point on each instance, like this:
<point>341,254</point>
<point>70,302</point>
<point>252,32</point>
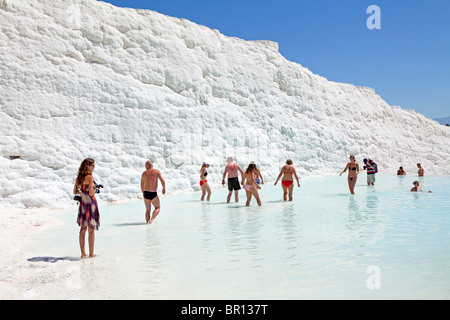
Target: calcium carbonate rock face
<point>82,78</point>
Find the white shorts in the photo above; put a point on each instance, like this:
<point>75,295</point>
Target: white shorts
<point>371,178</point>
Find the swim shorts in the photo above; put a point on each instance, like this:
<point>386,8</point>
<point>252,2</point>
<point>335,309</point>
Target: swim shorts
<point>233,184</point>
<point>150,195</point>
<point>371,178</point>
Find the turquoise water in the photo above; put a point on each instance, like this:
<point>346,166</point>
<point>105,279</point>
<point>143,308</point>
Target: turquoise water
<point>384,242</point>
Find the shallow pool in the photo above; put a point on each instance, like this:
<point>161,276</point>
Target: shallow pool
<point>384,242</point>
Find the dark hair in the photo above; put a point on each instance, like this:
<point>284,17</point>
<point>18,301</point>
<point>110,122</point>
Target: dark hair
<point>250,168</point>
<point>289,161</point>
<point>83,170</point>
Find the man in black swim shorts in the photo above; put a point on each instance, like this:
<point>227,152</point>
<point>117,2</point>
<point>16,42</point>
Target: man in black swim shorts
<point>233,182</point>
<point>149,195</point>
<point>149,185</point>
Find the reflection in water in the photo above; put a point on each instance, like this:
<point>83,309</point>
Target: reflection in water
<point>371,201</point>
<point>243,235</point>
<point>355,218</point>
<point>292,238</point>
<point>402,181</point>
<point>288,222</point>
<point>353,207</point>
<point>205,228</point>
<point>252,231</point>
<point>154,262</point>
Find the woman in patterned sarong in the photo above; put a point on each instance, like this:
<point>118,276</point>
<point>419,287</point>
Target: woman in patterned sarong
<point>88,214</point>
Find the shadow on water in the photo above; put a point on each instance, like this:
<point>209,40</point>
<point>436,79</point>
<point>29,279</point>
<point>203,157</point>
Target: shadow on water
<point>53,259</point>
<point>278,201</point>
<point>214,203</point>
<point>237,205</point>
<point>130,224</point>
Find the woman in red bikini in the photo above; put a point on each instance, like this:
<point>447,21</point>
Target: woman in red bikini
<point>287,182</point>
<point>203,182</point>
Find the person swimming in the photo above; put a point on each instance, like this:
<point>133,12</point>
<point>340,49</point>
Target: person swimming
<point>401,172</point>
<point>416,187</point>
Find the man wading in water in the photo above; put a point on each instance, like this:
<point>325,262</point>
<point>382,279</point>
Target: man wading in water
<point>149,186</point>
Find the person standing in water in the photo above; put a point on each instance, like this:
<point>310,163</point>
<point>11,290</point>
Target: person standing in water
<point>231,169</point>
<point>287,182</point>
<point>401,172</point>
<point>88,213</point>
<point>203,182</point>
<point>420,172</point>
<point>250,185</point>
<point>353,170</point>
<point>257,176</point>
<point>149,186</point>
<point>371,170</point>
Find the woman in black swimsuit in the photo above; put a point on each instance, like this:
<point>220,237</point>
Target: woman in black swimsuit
<point>353,170</point>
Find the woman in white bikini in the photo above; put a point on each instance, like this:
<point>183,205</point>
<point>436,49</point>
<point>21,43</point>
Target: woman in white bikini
<point>250,186</point>
<point>353,170</point>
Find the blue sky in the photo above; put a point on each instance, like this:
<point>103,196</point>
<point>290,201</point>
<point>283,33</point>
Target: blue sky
<point>407,61</point>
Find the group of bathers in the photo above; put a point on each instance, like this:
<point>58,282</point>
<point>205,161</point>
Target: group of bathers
<point>233,183</point>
